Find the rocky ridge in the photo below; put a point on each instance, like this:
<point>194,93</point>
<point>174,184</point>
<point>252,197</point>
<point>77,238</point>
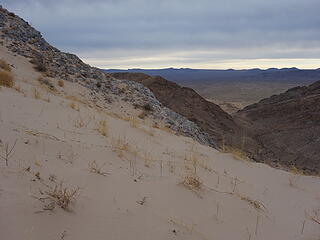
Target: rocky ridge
<point>288,126</point>
<point>22,39</point>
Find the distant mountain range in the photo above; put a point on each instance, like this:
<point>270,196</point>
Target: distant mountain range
<point>202,76</point>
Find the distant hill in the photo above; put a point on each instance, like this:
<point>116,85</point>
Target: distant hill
<point>186,76</point>
<point>234,88</point>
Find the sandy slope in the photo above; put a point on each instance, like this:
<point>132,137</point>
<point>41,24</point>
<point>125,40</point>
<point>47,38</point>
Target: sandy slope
<point>57,143</point>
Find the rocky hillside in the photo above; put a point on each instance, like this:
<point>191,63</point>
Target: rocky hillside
<point>281,131</point>
<point>188,103</point>
<point>220,126</point>
<point>288,125</point>
<point>21,39</point>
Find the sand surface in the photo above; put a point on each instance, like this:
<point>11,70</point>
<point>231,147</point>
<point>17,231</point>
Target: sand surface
<point>140,192</point>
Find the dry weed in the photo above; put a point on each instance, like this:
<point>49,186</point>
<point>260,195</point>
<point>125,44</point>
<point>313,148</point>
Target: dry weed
<point>133,122</point>
<point>236,153</point>
<point>255,203</point>
<point>294,176</point>
<point>5,66</point>
<point>36,94</point>
<point>192,181</point>
<point>62,196</point>
<point>95,168</point>
<point>103,128</point>
<point>61,83</point>
<point>6,79</point>
<point>74,106</point>
<point>8,152</point>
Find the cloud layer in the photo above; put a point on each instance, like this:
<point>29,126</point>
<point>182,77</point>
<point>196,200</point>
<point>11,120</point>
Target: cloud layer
<point>160,33</point>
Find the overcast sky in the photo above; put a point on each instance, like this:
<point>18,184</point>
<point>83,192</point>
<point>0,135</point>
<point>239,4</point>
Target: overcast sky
<point>180,33</point>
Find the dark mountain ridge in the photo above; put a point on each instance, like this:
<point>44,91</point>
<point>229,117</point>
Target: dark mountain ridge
<point>204,76</point>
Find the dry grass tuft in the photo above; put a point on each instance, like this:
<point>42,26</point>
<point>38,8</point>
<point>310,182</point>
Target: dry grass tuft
<point>74,106</point>
<point>62,196</point>
<point>19,90</point>
<point>6,79</point>
<point>39,64</point>
<point>36,94</point>
<point>192,181</point>
<point>61,83</point>
<point>103,128</point>
<point>294,176</point>
<point>47,82</point>
<point>236,153</point>
<point>133,122</point>
<point>255,203</point>
<point>5,66</point>
<point>79,122</point>
<point>120,145</point>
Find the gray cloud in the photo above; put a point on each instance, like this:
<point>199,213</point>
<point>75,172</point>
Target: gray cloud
<point>226,30</point>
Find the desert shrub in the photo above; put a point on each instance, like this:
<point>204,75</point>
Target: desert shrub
<point>192,181</point>
<point>46,82</point>
<point>61,83</point>
<point>39,64</point>
<point>143,115</point>
<point>147,107</point>
<point>6,79</point>
<point>62,196</point>
<point>5,66</point>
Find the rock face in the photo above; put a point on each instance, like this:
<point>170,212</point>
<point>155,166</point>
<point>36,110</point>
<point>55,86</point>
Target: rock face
<point>24,40</point>
<point>210,117</point>
<point>288,127</point>
<point>20,38</point>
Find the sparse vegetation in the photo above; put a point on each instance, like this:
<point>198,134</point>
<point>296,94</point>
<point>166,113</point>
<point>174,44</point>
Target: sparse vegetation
<point>236,153</point>
<point>120,145</point>
<point>5,66</point>
<point>143,115</point>
<point>255,203</point>
<point>294,176</point>
<point>103,128</point>
<point>95,168</point>
<point>45,81</point>
<point>133,122</point>
<point>62,196</point>
<point>61,83</point>
<point>147,107</point>
<point>19,89</point>
<point>39,64</point>
<point>8,152</point>
<point>81,122</point>
<point>36,94</point>
<point>192,181</point>
<point>74,106</point>
<point>6,79</point>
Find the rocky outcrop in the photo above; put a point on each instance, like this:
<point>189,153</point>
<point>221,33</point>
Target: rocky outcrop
<point>20,38</point>
<point>220,126</point>
<point>288,127</point>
